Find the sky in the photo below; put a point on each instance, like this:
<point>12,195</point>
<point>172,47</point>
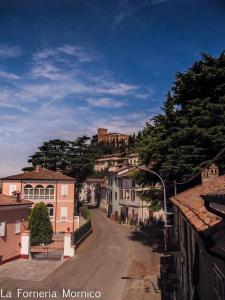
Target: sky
<point>68,67</point>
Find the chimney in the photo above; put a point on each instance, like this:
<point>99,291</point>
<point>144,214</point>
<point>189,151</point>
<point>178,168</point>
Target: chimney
<point>38,168</point>
<point>211,172</point>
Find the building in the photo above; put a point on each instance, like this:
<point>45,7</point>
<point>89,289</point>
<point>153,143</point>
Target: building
<point>113,194</point>
<point>133,159</point>
<point>116,161</point>
<point>105,136</point>
<point>13,223</point>
<point>92,192</point>
<point>131,204</point>
<point>124,202</point>
<point>110,162</point>
<point>199,239</point>
<point>53,188</point>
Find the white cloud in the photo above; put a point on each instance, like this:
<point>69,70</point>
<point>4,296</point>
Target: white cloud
<point>68,50</point>
<point>8,75</point>
<point>117,89</point>
<point>55,99</point>
<point>47,70</point>
<point>127,9</point>
<point>106,103</point>
<point>9,51</point>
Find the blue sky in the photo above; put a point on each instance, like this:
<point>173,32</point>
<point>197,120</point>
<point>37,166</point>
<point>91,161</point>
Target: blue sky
<point>68,67</point>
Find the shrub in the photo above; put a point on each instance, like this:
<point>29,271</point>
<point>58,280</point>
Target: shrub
<point>40,225</point>
<point>86,214</point>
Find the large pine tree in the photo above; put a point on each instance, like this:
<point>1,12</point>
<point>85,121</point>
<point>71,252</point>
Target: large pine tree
<point>190,131</point>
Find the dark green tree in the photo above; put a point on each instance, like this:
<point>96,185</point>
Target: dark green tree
<point>190,131</point>
<point>50,155</point>
<point>40,225</point>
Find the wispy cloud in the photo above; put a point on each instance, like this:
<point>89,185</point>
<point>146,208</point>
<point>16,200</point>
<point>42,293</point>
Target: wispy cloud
<point>10,51</point>
<point>66,50</point>
<point>106,103</point>
<point>56,98</point>
<point>127,9</point>
<point>8,75</point>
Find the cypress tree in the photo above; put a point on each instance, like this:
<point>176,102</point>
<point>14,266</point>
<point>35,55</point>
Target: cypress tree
<point>40,225</point>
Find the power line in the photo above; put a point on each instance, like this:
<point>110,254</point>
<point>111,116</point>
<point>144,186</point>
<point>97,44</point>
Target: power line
<point>208,165</point>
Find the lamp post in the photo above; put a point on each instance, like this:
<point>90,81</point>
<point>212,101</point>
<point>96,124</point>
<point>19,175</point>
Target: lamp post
<point>164,201</point>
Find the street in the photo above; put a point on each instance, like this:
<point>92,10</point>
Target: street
<point>112,260</point>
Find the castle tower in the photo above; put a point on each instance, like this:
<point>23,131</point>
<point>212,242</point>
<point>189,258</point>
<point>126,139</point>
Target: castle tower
<point>102,132</point>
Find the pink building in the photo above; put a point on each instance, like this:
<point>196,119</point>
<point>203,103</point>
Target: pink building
<point>13,222</point>
<point>53,188</point>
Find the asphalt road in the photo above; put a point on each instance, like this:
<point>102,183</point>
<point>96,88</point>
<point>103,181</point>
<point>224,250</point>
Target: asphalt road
<point>112,260</point>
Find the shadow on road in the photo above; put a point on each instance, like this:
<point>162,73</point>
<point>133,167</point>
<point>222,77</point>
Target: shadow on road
<point>151,237</point>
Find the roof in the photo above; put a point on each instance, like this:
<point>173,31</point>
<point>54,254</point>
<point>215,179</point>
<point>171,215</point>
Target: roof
<point>10,201</point>
<point>111,158</point>
<point>42,174</point>
<point>129,173</point>
<point>123,167</point>
<point>192,206</point>
<point>95,180</point>
<point>134,155</point>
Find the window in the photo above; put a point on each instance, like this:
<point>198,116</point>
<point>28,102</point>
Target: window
<point>219,284</point>
<point>50,192</point>
<point>115,195</point>
<point>2,228</point>
<point>63,213</point>
<point>17,226</point>
<point>12,188</point>
<point>39,192</point>
<point>64,190</point>
<point>50,208</point>
<point>28,192</point>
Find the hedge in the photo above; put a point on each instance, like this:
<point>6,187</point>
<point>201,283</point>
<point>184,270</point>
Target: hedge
<point>80,232</point>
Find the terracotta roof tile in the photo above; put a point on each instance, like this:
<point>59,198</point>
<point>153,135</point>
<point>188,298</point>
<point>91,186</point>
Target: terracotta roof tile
<point>43,173</point>
<point>10,200</point>
<point>192,205</point>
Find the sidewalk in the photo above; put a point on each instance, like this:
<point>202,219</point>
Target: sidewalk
<point>25,269</point>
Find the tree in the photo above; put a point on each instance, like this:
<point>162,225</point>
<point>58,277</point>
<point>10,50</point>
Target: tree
<point>40,225</point>
<point>190,131</point>
<point>75,158</point>
<point>50,155</point>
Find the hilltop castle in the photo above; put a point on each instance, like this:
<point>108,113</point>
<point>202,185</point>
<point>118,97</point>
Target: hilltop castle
<point>105,136</point>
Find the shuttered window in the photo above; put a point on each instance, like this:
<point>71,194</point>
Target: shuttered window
<point>12,188</point>
<point>64,190</point>
<point>64,213</point>
<point>17,226</point>
<point>2,228</point>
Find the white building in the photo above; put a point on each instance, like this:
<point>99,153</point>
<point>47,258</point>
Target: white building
<point>92,191</point>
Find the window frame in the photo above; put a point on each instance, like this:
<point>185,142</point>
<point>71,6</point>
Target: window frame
<point>17,224</point>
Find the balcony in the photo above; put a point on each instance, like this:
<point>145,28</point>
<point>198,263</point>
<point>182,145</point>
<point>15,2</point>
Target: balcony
<point>38,197</point>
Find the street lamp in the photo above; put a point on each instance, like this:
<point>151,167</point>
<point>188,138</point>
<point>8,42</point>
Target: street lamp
<point>164,201</point>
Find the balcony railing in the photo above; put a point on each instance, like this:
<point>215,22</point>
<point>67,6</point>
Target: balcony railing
<point>39,197</point>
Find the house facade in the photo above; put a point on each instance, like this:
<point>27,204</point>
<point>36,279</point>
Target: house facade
<point>199,237</point>
<point>13,223</point>
<point>92,192</point>
<point>110,162</point>
<point>53,188</point>
<point>124,202</point>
